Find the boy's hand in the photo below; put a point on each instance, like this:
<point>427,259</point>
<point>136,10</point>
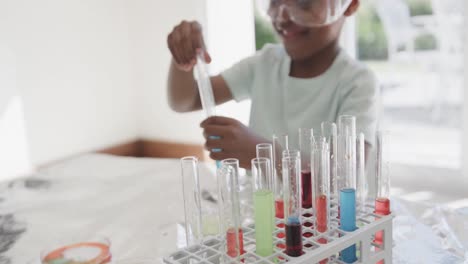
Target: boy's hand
<point>232,138</point>
<point>185,40</point>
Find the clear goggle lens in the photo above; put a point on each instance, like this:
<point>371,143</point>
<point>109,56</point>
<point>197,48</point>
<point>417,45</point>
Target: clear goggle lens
<point>309,13</point>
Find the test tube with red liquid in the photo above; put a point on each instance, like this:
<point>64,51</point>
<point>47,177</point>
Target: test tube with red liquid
<point>330,133</point>
<point>292,204</point>
<point>280,143</point>
<point>382,201</point>
<point>229,209</point>
<point>321,191</point>
<point>306,146</point>
<point>192,200</point>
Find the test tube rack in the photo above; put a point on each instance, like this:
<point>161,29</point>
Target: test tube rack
<point>368,223</point>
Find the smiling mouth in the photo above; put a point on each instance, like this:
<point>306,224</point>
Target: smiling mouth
<point>291,33</point>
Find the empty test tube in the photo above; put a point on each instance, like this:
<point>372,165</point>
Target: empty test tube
<point>192,200</point>
<point>265,150</point>
<point>361,184</point>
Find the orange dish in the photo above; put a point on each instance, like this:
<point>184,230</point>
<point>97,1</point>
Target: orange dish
<point>80,253</point>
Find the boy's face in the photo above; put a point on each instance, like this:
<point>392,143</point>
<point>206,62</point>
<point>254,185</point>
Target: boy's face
<point>304,42</point>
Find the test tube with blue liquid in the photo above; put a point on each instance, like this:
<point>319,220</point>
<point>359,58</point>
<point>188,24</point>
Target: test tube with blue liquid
<point>229,210</point>
<point>347,166</point>
<point>205,90</point>
<point>292,204</point>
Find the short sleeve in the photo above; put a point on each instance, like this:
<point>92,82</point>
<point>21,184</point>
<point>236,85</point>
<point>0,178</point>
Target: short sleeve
<point>239,78</point>
<point>360,97</point>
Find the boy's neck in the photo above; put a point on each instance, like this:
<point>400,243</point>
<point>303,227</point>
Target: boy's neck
<point>315,65</point>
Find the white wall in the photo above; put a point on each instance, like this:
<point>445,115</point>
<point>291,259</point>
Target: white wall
<point>72,73</point>
<point>14,152</point>
<point>464,146</point>
<point>150,23</point>
<point>90,74</point>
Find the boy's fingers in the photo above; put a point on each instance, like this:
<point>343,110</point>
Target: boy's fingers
<point>211,144</point>
<point>186,43</point>
<point>197,36</point>
<point>178,50</point>
<point>207,57</point>
<point>215,130</point>
<point>171,44</point>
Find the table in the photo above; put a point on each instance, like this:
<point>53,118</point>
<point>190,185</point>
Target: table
<point>137,203</point>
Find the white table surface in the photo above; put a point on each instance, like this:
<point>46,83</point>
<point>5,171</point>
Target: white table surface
<point>137,204</point>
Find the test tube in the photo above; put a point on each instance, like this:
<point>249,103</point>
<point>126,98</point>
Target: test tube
<point>229,208</point>
<point>292,205</point>
<point>192,200</point>
<point>347,166</point>
<point>382,202</point>
<point>263,206</point>
<point>292,153</point>
<point>362,187</point>
<point>306,146</point>
<point>205,91</point>
<point>280,143</point>
<point>204,85</point>
<point>329,131</point>
<point>321,192</point>
<point>265,150</point>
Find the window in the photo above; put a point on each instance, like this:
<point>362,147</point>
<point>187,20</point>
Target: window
<point>416,49</point>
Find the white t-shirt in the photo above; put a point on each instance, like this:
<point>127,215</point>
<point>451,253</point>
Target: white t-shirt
<point>282,104</point>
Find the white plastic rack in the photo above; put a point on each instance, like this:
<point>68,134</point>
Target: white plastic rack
<point>210,252</point>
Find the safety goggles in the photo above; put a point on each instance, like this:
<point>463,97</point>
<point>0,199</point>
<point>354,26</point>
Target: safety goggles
<point>308,13</point>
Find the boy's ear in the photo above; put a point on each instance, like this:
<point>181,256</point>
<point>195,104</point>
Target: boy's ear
<point>352,8</point>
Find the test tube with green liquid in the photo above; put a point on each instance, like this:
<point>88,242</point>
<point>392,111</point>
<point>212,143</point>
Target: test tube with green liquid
<point>263,206</point>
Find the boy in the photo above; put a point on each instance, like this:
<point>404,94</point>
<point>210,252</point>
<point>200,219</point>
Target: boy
<point>302,82</point>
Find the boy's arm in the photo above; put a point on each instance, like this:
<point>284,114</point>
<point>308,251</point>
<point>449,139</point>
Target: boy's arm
<point>183,93</point>
<point>184,41</point>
